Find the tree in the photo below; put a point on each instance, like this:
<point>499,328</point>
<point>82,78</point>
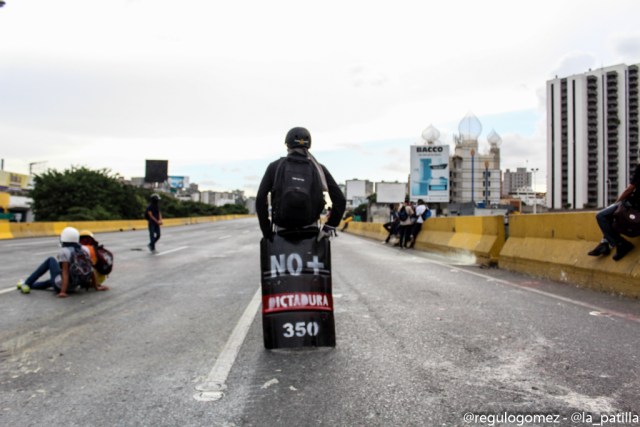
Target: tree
<point>80,194</point>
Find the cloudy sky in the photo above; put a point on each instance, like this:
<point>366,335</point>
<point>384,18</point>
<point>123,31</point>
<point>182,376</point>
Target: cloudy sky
<point>214,86</point>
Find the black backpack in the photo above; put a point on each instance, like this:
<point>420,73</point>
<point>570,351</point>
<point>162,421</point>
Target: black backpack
<point>80,269</point>
<point>297,197</point>
<point>104,260</point>
<point>402,214</point>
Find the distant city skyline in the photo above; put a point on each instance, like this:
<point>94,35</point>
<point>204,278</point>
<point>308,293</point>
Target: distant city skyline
<point>214,89</point>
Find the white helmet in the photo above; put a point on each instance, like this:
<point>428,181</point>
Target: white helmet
<point>69,235</point>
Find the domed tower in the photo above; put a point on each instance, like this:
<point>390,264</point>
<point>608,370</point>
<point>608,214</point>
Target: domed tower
<point>494,143</point>
<point>430,135</point>
<point>469,129</point>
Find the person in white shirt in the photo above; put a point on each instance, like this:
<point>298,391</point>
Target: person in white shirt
<point>421,209</point>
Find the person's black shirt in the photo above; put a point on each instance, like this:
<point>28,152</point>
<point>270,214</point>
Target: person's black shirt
<point>266,185</point>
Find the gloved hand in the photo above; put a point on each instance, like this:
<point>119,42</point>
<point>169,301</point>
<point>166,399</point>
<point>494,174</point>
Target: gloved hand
<point>327,231</point>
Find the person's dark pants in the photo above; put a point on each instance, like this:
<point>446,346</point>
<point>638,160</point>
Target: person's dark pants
<point>392,228</point>
<point>154,235</point>
<point>49,265</point>
<point>405,232</point>
<point>605,222</point>
<point>414,232</point>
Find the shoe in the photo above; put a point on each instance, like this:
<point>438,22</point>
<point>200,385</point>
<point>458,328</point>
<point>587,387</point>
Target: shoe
<point>622,249</point>
<point>23,287</point>
<point>602,249</point>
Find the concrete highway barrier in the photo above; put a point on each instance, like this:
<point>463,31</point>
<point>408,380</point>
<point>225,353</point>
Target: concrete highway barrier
<point>553,246</point>
<point>479,236</point>
<point>11,230</point>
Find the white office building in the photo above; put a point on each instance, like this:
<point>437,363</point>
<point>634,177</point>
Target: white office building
<point>592,136</point>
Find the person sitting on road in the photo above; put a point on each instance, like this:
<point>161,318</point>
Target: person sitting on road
<point>58,268</point>
<point>89,242</point>
<point>611,237</point>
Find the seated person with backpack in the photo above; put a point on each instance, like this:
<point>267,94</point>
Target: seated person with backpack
<point>69,270</point>
<point>101,258</point>
<point>296,184</point>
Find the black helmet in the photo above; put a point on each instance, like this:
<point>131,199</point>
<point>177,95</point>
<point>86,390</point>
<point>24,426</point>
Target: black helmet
<point>298,137</point>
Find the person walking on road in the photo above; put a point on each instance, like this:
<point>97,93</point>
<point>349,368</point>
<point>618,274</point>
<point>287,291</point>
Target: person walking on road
<point>611,237</point>
<point>154,220</point>
<point>289,210</point>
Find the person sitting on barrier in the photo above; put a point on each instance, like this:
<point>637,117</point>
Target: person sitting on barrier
<point>612,237</point>
<point>407,217</point>
<point>348,217</point>
<point>392,225</point>
<point>61,276</point>
<point>421,215</point>
<point>296,184</point>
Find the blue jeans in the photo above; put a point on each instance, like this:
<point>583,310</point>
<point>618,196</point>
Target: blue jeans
<point>605,222</point>
<point>154,235</point>
<point>49,265</point>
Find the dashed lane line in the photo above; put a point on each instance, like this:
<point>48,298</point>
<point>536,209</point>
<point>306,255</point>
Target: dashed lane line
<point>171,251</point>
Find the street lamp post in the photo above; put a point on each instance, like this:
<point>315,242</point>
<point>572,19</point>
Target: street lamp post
<point>32,164</point>
<point>473,153</point>
<point>486,184</point>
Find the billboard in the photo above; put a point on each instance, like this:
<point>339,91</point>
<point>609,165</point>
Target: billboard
<point>358,189</point>
<point>178,182</point>
<point>156,171</point>
<point>429,179</point>
<point>391,192</point>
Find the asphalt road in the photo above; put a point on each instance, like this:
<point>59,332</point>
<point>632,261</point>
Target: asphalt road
<point>422,340</point>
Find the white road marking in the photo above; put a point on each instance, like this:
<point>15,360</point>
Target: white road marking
<point>223,237</point>
<point>172,251</point>
<point>213,387</point>
<point>20,244</point>
<point>11,289</point>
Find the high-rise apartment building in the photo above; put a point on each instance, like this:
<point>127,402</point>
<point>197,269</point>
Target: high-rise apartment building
<point>592,136</point>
